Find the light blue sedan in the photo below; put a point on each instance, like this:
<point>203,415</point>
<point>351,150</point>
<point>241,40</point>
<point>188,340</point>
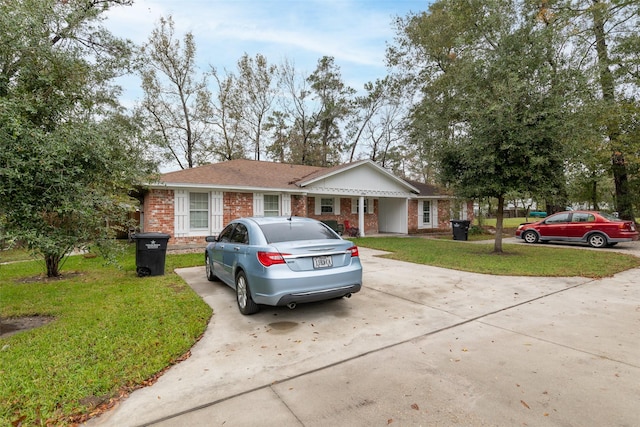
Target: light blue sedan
<point>283,261</point>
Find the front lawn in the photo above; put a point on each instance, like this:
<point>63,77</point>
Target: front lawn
<point>517,260</point>
<point>111,332</point>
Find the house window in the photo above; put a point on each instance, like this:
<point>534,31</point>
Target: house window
<point>326,205</point>
<point>356,204</point>
<point>426,211</point>
<point>198,210</point>
<point>271,205</point>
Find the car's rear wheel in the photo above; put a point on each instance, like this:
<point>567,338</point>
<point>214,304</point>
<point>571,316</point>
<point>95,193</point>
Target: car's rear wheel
<point>210,274</point>
<point>530,237</point>
<point>597,240</point>
<point>243,295</point>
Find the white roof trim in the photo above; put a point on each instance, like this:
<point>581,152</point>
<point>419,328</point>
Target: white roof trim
<point>358,164</point>
<point>226,187</point>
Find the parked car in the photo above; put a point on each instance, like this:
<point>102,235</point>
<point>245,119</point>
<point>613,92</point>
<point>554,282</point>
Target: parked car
<point>598,229</point>
<point>283,261</point>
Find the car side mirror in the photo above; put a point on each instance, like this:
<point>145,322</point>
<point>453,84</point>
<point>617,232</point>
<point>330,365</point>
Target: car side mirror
<point>211,239</point>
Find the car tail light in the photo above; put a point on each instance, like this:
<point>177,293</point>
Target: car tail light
<point>270,258</point>
<point>354,251</point>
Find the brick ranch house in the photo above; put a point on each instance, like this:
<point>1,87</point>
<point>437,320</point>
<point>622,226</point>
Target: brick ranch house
<point>193,203</point>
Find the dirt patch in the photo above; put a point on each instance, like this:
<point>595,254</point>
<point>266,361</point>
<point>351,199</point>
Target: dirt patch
<point>45,279</point>
<point>13,325</point>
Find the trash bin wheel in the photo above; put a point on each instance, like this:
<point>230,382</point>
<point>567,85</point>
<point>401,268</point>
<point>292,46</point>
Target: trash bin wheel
<point>143,271</point>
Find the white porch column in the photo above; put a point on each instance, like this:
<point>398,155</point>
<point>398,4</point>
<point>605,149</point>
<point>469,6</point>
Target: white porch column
<point>361,216</point>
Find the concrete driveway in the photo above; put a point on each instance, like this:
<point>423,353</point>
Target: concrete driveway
<point>418,345</point>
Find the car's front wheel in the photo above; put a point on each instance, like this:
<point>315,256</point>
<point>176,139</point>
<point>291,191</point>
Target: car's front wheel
<point>243,295</point>
<point>597,240</point>
<point>530,237</point>
<point>210,274</point>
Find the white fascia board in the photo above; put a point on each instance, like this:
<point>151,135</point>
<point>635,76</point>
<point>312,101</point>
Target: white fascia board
<point>358,164</point>
<point>436,197</point>
<point>357,193</point>
<point>225,188</point>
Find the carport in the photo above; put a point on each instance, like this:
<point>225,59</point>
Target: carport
<point>393,215</point>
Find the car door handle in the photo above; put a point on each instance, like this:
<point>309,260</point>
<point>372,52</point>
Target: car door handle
<point>236,248</point>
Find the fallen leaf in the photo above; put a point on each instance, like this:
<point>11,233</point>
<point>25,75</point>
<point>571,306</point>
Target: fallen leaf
<point>525,404</point>
<point>389,421</point>
<point>415,406</point>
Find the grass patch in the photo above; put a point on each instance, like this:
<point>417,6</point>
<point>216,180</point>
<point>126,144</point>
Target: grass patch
<point>13,255</point>
<point>517,260</point>
<point>112,331</point>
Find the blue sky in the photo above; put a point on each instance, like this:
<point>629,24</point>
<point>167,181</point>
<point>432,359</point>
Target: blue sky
<point>354,32</point>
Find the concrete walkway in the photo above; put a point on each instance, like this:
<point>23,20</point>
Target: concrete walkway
<point>419,345</point>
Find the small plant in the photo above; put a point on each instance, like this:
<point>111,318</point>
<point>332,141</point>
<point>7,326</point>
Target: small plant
<point>476,230</point>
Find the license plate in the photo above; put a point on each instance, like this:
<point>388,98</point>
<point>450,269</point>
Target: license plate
<point>322,261</point>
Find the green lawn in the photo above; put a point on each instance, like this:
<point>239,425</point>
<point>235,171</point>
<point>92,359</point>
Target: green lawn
<point>507,222</point>
<point>112,332</point>
<point>517,260</point>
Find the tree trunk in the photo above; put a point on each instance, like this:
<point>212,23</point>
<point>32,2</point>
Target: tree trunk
<point>618,166</point>
<point>497,246</point>
<point>53,265</point>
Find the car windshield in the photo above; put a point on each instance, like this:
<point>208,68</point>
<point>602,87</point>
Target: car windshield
<point>291,231</point>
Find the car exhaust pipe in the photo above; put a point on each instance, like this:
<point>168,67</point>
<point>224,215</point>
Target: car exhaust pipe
<point>291,305</point>
<point>348,295</point>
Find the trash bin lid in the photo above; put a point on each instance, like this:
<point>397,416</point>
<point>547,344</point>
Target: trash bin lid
<point>151,236</point>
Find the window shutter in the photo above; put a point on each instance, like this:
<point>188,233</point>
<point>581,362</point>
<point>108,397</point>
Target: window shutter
<point>258,204</point>
<point>434,214</point>
<point>181,213</point>
<point>354,205</point>
<point>336,206</point>
<point>370,208</point>
<point>285,204</point>
<point>318,208</point>
<point>217,212</point>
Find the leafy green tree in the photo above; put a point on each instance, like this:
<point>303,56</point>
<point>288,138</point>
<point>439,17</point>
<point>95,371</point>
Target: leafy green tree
<point>603,38</point>
<point>335,99</point>
<point>493,110</point>
<point>297,115</point>
<point>67,156</point>
<point>176,98</point>
<point>257,81</point>
<point>226,117</point>
<point>377,124</point>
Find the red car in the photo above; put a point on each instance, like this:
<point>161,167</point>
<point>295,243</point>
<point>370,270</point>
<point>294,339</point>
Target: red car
<point>598,229</point>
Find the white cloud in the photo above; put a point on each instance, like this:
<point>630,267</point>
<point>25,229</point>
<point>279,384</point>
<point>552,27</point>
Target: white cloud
<point>354,32</point>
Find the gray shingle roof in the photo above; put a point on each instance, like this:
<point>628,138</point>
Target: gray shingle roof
<point>243,173</point>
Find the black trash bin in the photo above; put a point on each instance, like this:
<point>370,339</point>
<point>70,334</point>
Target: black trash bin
<point>151,250</point>
<point>460,229</point>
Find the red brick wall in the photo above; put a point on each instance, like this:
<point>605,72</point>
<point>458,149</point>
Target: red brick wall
<point>299,205</point>
<point>158,212</point>
<point>237,205</point>
<point>412,222</point>
<point>444,216</point>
